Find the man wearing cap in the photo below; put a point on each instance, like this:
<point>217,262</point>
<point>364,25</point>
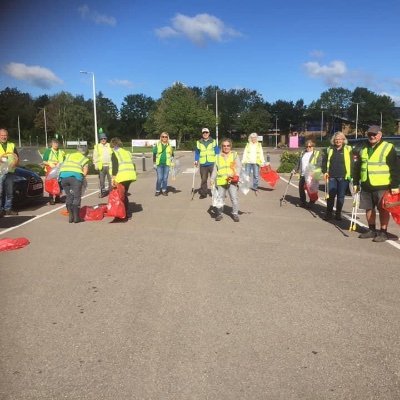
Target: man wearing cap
<point>205,152</point>
<point>102,161</point>
<point>378,170</point>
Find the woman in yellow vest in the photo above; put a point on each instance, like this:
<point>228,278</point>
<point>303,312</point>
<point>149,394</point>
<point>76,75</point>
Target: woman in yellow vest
<point>53,157</point>
<point>225,175</point>
<point>122,171</point>
<point>253,159</point>
<point>162,156</point>
<point>72,175</point>
<point>337,167</point>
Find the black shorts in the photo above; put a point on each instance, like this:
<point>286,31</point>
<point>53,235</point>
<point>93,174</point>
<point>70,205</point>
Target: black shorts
<point>371,200</point>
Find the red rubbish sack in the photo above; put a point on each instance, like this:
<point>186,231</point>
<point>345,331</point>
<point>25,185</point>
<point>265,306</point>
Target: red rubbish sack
<point>13,244</point>
<point>88,213</point>
<point>52,187</point>
<point>312,193</point>
<point>116,206</point>
<point>391,203</point>
<point>269,175</point>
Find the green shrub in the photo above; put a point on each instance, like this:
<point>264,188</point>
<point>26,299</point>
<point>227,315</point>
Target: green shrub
<point>289,161</point>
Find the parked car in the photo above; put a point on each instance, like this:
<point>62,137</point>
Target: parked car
<point>27,186</point>
<point>357,144</point>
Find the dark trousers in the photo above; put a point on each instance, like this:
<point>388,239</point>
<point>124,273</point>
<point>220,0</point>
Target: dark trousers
<point>302,192</point>
<point>126,185</point>
<point>73,191</point>
<point>205,172</point>
<point>337,188</point>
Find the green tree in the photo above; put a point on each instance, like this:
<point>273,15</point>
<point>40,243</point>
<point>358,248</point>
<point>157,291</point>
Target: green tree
<point>255,120</point>
<point>107,115</point>
<point>179,112</point>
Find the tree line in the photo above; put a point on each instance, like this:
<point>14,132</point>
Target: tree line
<point>183,111</point>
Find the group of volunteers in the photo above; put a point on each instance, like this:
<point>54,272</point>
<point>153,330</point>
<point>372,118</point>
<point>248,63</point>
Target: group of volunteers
<point>376,168</point>
<point>372,172</point>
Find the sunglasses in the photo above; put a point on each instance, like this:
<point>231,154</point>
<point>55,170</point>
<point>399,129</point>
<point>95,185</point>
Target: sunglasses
<point>164,137</point>
<point>309,147</point>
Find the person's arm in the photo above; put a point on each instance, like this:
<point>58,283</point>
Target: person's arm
<point>394,167</point>
<point>114,165</point>
<point>85,169</point>
<point>196,155</point>
<point>95,157</point>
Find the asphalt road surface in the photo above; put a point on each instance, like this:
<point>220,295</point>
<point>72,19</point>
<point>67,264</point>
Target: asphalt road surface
<point>174,305</point>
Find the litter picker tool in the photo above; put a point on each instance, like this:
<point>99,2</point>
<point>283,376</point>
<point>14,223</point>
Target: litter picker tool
<point>282,199</point>
<point>326,188</point>
<point>193,181</point>
<point>354,212</point>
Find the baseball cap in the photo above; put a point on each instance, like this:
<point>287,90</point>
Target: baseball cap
<point>205,130</point>
<point>374,129</point>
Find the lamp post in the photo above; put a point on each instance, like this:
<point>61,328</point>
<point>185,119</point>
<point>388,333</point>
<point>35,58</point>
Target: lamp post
<point>381,120</point>
<point>276,131</point>
<point>45,125</point>
<point>361,102</point>
<point>94,104</point>
<point>322,123</point>
<point>216,116</point>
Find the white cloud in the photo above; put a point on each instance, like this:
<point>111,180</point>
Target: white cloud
<point>35,75</point>
<point>332,74</point>
<point>121,82</point>
<point>198,29</point>
<point>100,19</point>
<point>395,98</point>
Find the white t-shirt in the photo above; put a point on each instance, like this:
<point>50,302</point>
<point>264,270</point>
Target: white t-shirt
<point>305,160</point>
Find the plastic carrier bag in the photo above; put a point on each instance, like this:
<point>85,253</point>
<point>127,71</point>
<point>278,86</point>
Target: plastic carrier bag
<point>13,244</point>
<point>54,172</point>
<point>312,177</point>
<point>391,203</point>
<point>217,200</point>
<point>244,182</point>
<point>269,175</point>
<point>175,168</point>
<point>52,187</point>
<point>116,206</point>
<point>92,213</point>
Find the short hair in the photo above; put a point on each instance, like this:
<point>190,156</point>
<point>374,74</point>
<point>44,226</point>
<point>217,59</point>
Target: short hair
<point>116,142</point>
<point>335,135</point>
<point>253,135</point>
<point>310,141</point>
<point>164,133</point>
<point>226,140</point>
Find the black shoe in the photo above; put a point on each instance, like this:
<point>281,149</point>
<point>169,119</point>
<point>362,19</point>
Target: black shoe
<point>11,212</point>
<point>369,234</point>
<point>218,217</point>
<point>119,220</point>
<point>380,237</point>
<point>157,194</point>
<point>164,193</point>
<point>235,217</point>
<point>338,216</point>
<point>75,212</point>
<point>57,199</point>
<point>203,196</point>
<point>52,202</point>
<point>328,216</point>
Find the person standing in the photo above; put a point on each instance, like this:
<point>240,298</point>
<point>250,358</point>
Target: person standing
<point>337,169</point>
<point>308,156</point>
<point>8,156</point>
<point>102,162</point>
<point>123,172</point>
<point>53,157</point>
<point>72,175</point>
<point>253,159</point>
<point>225,176</point>
<point>378,170</point>
<point>205,153</point>
<point>162,156</point>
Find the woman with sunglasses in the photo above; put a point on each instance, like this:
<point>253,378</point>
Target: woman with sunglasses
<point>162,155</point>
<point>308,156</point>
<point>226,177</point>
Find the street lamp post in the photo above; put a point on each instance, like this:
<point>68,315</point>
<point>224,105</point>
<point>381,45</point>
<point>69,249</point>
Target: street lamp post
<point>322,123</point>
<point>357,104</point>
<point>276,131</point>
<point>216,116</point>
<point>381,120</point>
<point>94,104</point>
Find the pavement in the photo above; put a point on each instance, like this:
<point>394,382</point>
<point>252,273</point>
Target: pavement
<point>174,305</point>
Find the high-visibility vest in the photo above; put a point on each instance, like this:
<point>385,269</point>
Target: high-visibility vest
<point>375,167</point>
<point>207,154</point>
<point>225,168</point>
<point>55,157</point>
<point>259,159</point>
<point>74,162</point>
<point>9,152</point>
<point>126,169</point>
<point>99,148</point>
<point>168,151</point>
<point>347,160</point>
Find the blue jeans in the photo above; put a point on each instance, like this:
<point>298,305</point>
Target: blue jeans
<point>7,192</point>
<point>162,177</point>
<point>253,170</point>
<point>337,188</point>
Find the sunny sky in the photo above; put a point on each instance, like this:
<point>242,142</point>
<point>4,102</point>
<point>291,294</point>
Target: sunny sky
<point>284,49</point>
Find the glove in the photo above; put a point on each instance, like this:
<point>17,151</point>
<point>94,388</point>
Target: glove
<point>395,191</point>
<point>356,189</point>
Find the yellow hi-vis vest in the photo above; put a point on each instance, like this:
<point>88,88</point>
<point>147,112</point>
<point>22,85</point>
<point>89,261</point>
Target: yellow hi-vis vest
<point>126,169</point>
<point>247,153</point>
<point>55,158</point>
<point>375,167</point>
<point>74,162</point>
<point>168,150</point>
<point>99,149</point>
<point>347,160</point>
<point>207,154</point>
<point>8,153</point>
<point>225,168</point>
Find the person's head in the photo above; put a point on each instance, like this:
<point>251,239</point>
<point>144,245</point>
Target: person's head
<point>82,149</point>
<point>205,133</point>
<point>309,145</point>
<point>164,137</point>
<point>54,144</point>
<point>103,137</point>
<point>226,145</point>
<point>115,142</point>
<point>253,137</point>
<point>338,139</point>
<point>374,134</point>
<point>3,135</point>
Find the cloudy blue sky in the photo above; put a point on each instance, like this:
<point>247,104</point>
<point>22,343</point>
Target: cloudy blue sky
<point>284,49</point>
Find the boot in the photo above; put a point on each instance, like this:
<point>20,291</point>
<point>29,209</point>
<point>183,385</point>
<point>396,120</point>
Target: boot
<point>338,216</point>
<point>328,215</point>
<point>75,212</point>
<point>70,214</point>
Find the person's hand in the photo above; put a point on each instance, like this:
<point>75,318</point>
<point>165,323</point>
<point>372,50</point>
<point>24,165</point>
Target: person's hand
<point>356,189</point>
<point>196,163</point>
<point>326,176</point>
<point>113,183</point>
<point>293,171</point>
<point>155,166</point>
<point>395,191</point>
<point>212,183</point>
